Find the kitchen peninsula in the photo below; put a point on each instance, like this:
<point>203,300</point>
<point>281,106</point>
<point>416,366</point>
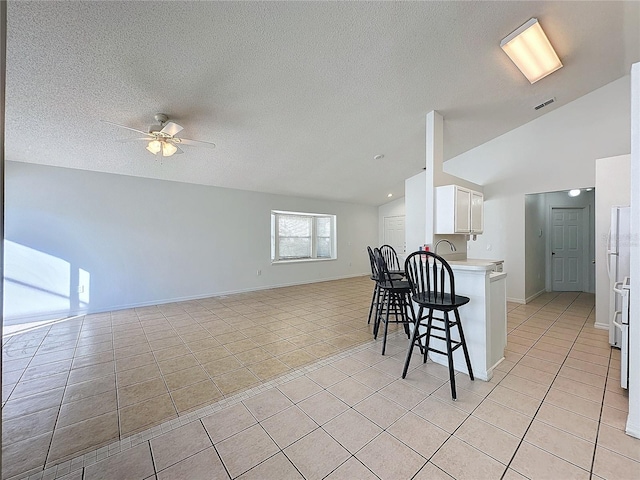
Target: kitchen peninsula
<point>484,318</point>
<point>442,208</point>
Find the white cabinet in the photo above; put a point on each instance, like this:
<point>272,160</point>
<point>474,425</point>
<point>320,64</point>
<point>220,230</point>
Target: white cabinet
<point>458,210</point>
<point>477,221</point>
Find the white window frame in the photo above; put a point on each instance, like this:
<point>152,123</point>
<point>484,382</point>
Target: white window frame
<point>275,244</point>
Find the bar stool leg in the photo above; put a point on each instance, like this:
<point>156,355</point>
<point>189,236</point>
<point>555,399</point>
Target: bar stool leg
<point>464,344</point>
<point>379,312</point>
<point>428,336</point>
<point>452,377</point>
<point>415,321</point>
<point>373,302</point>
<point>391,302</point>
<point>413,342</point>
<point>405,313</point>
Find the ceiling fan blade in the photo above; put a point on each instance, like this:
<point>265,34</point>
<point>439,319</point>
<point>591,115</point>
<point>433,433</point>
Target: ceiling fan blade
<point>171,129</point>
<point>124,126</point>
<point>178,151</point>
<point>125,140</point>
<point>195,143</point>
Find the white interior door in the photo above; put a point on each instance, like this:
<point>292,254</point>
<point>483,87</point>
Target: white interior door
<point>394,233</point>
<point>567,229</point>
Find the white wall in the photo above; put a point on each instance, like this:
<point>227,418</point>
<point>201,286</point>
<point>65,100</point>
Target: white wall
<point>535,236</point>
<point>135,241</point>
<point>613,187</point>
<point>557,151</point>
<point>415,194</point>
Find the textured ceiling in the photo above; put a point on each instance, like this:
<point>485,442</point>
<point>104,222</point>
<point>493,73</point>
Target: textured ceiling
<point>298,96</point>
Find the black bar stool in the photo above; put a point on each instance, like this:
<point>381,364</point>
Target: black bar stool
<point>375,298</point>
<point>396,295</point>
<point>391,258</point>
<point>428,275</point>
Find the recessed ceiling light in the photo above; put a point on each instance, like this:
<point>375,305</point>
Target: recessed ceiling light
<point>378,157</point>
<point>574,193</point>
<point>390,195</point>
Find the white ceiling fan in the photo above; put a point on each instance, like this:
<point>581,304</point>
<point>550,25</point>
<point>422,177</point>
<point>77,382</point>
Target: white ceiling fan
<point>162,138</point>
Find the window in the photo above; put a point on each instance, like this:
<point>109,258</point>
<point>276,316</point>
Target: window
<point>302,236</point>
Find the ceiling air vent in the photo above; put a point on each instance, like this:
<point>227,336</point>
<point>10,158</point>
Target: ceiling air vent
<point>544,104</point>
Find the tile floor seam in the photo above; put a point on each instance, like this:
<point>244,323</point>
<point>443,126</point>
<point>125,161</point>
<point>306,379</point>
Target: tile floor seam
<point>213,445</point>
<point>74,464</point>
<point>153,460</point>
<point>542,401</point>
<point>60,406</point>
<point>604,393</point>
<point>26,366</point>
<point>238,400</point>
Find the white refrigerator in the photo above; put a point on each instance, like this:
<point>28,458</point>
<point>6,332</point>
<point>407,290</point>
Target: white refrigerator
<point>618,265</point>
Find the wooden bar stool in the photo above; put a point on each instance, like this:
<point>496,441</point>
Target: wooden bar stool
<point>391,258</point>
<point>395,300</point>
<point>428,275</point>
<point>375,298</point>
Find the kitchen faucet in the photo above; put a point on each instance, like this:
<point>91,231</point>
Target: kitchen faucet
<point>451,245</point>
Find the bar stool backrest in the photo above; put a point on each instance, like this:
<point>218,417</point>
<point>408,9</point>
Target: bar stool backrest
<point>390,257</point>
<point>428,276</point>
<point>375,274</point>
<point>383,269</point>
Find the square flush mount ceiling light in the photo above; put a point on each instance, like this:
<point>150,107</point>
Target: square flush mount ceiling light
<point>529,48</point>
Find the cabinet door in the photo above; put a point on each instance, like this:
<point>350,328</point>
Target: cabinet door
<point>477,207</point>
<point>463,210</point>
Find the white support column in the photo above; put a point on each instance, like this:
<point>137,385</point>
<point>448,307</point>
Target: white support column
<point>434,159</point>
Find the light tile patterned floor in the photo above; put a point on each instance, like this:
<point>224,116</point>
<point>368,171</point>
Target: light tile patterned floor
<point>339,410</point>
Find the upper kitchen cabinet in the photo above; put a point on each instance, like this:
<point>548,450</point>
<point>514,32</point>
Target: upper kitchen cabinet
<point>477,210</point>
<point>458,210</point>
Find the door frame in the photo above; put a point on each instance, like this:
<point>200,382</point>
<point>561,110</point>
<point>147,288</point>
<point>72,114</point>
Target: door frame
<point>586,215</point>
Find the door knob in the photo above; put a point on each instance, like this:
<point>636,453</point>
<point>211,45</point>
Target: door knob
<point>553,253</point>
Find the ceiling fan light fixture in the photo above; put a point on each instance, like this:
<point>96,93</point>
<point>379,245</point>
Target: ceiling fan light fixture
<point>161,139</point>
<point>529,48</point>
<point>154,146</point>
<point>168,149</point>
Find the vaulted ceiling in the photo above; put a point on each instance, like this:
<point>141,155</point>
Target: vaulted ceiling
<point>298,96</point>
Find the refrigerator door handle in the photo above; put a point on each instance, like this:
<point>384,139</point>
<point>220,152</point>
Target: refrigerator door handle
<point>619,291</point>
<point>616,314</point>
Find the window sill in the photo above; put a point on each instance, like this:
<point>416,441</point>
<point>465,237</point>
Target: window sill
<point>302,260</point>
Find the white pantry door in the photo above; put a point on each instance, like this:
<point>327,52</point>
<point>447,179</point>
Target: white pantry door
<point>394,233</point>
<point>567,227</point>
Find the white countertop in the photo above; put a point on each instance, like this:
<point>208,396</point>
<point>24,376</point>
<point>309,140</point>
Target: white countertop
<point>494,276</point>
<point>473,264</point>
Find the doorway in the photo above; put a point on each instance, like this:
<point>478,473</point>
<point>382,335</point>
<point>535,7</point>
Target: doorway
<point>394,233</point>
<point>539,240</point>
<point>567,249</point>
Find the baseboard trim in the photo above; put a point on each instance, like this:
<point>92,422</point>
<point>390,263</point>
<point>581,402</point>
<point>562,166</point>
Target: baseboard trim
<point>64,314</point>
<point>526,300</point>
<point>601,326</point>
<point>633,430</point>
<point>516,300</point>
<point>534,296</point>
